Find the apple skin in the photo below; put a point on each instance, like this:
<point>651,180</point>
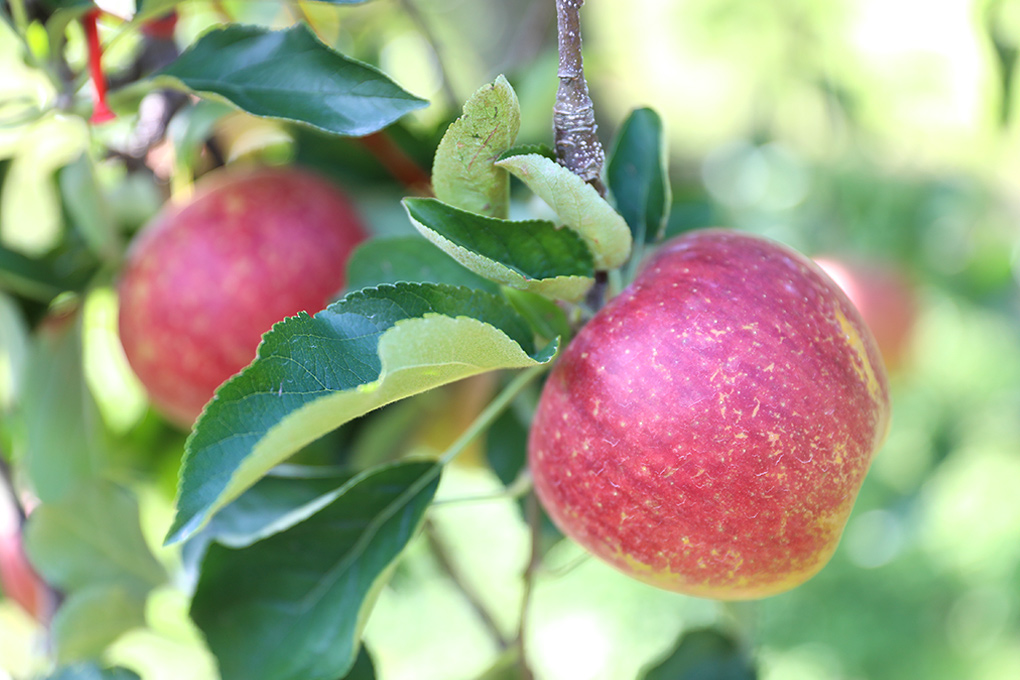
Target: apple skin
<point>708,430</point>
<point>205,279</point>
<point>885,298</point>
<point>18,580</point>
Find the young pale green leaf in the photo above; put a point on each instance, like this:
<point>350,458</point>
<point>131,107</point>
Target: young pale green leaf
<point>89,620</point>
<point>31,221</point>
<point>463,173</point>
<point>637,175</point>
<point>291,607</point>
<point>291,75</point>
<point>408,258</point>
<point>313,374</point>
<point>532,255</point>
<point>89,537</point>
<point>578,204</point>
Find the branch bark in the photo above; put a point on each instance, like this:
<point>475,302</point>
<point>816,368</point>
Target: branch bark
<point>577,145</point>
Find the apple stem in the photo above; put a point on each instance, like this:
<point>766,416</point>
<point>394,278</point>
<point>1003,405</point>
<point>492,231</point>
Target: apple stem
<point>574,130</point>
<point>101,113</point>
<point>517,489</point>
<point>492,411</point>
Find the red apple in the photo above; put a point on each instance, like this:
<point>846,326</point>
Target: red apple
<point>884,297</point>
<point>708,430</point>
<point>207,278</point>
<point>18,580</point>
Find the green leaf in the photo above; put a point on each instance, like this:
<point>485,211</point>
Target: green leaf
<point>30,217</point>
<point>532,255</point>
<point>57,459</point>
<point>543,150</point>
<point>313,374</point>
<point>637,175</point>
<point>90,537</point>
<point>363,668</point>
<point>463,174</point>
<point>14,349</point>
<point>291,607</point>
<point>90,671</point>
<point>545,316</point>
<point>285,496</point>
<point>291,75</point>
<point>704,655</point>
<point>578,204</point>
<point>85,203</point>
<point>89,620</point>
<point>408,258</point>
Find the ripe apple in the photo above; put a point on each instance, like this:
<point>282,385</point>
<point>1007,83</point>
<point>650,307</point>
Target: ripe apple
<point>708,430</point>
<point>18,580</point>
<point>205,279</point>
<point>884,297</point>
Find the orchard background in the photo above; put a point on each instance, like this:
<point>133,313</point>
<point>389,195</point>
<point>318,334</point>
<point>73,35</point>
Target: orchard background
<point>880,133</point>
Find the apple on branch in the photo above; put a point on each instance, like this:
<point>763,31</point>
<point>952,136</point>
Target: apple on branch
<point>208,277</point>
<point>708,430</point>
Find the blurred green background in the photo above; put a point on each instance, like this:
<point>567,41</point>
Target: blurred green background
<point>882,132</point>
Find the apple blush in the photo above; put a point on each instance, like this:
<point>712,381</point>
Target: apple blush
<point>707,432</point>
<point>206,278</point>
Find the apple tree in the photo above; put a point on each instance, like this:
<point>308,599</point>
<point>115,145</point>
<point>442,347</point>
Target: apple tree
<point>304,376</point>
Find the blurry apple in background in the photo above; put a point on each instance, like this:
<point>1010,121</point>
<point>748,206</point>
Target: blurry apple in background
<point>18,580</point>
<point>884,296</point>
<point>206,278</point>
<point>709,429</point>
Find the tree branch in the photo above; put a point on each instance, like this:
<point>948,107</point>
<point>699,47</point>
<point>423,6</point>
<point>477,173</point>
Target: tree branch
<point>577,145</point>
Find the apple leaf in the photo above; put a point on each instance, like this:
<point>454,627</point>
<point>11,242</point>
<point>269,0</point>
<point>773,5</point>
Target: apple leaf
<point>463,174</point>
<point>89,620</point>
<point>533,255</point>
<point>313,374</point>
<point>408,258</point>
<point>88,208</point>
<point>90,671</point>
<point>704,654</point>
<point>89,537</point>
<point>578,204</point>
<point>291,607</point>
<point>545,316</point>
<point>284,497</point>
<point>637,175</point>
<point>56,459</point>
<point>363,668</point>
<point>291,75</point>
